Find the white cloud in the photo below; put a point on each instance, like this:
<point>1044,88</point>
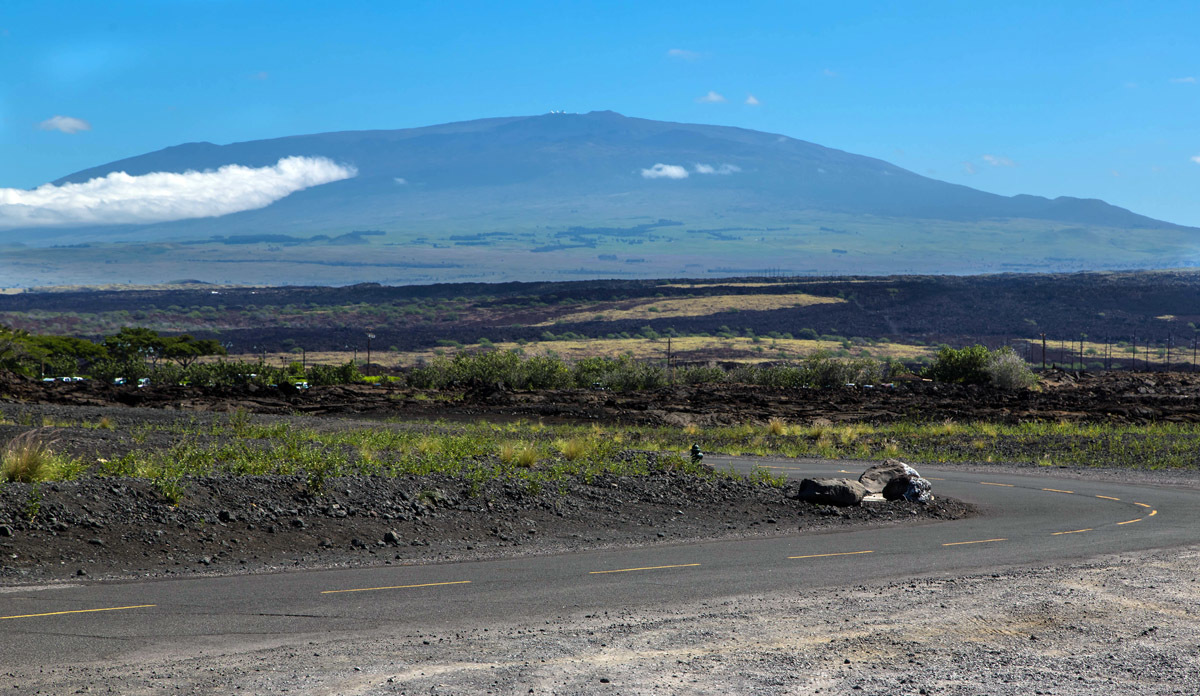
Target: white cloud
<point>1196,159</point>
<point>665,171</point>
<point>999,161</point>
<point>261,75</point>
<point>683,54</point>
<point>752,100</point>
<point>723,169</point>
<point>711,98</point>
<point>969,168</point>
<point>829,73</point>
<point>1189,80</point>
<point>162,196</point>
<point>66,124</point>
<point>400,180</point>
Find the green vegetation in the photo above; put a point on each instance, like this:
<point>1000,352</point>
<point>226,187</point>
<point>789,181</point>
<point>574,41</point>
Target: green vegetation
<point>977,365</point>
<point>29,458</point>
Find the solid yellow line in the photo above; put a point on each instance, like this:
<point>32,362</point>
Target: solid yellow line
<point>629,570</point>
<point>1142,504</point>
<point>1073,531</point>
<point>77,611</point>
<point>1057,490</point>
<point>823,555</point>
<point>981,541</point>
<point>1152,513</point>
<point>1131,521</point>
<point>1108,497</point>
<point>1006,485</point>
<point>399,587</point>
<point>934,478</point>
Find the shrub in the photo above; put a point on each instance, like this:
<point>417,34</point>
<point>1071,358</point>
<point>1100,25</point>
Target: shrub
<point>1008,370</point>
<point>964,365</point>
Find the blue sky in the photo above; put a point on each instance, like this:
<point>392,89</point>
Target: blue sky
<point>1089,99</point>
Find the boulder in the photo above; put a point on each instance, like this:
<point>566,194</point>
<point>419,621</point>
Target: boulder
<point>877,477</point>
<point>908,487</point>
<point>831,491</point>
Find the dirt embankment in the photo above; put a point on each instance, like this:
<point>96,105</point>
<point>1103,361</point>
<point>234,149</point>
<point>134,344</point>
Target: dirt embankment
<point>127,528</point>
<point>1122,397</point>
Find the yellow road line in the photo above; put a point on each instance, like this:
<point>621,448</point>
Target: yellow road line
<point>1057,490</point>
<point>1152,513</point>
<point>1131,521</point>
<point>1073,531</point>
<point>1142,505</point>
<point>981,541</point>
<point>398,587</point>
<point>1108,497</point>
<point>77,611</point>
<point>934,478</point>
<point>988,483</point>
<point>823,555</point>
<point>630,570</point>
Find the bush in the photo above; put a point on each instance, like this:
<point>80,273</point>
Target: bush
<point>964,366</point>
<point>977,365</point>
<point>1008,370</point>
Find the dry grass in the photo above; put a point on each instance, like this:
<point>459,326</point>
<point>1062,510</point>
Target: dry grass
<point>695,306</point>
<point>776,426</point>
<point>687,348</point>
<point>574,449</point>
<point>29,458</point>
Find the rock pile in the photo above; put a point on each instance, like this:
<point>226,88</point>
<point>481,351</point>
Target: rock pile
<point>893,479</point>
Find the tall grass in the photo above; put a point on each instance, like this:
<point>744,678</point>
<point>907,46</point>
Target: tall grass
<point>30,457</point>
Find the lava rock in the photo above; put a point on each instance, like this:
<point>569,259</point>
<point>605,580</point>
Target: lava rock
<point>911,488</point>
<point>5,530</point>
<point>391,537</point>
<point>831,491</point>
<point>877,477</point>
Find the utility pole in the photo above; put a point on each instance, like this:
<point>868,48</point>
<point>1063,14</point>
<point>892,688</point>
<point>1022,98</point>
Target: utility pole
<point>1043,351</point>
<point>670,367</point>
<point>369,337</point>
<point>1168,351</point>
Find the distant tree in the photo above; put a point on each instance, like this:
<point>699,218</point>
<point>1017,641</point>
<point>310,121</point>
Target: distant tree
<point>134,343</point>
<point>185,350</point>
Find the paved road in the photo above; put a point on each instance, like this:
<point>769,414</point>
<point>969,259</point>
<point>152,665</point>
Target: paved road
<point>1028,519</point>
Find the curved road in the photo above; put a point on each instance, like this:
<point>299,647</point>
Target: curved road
<point>1027,519</point>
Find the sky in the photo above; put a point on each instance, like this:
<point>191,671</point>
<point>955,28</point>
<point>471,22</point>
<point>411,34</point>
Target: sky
<point>1088,99</point>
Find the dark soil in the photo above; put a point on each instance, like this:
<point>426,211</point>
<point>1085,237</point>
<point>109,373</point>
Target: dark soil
<point>125,527</point>
<point>1120,397</point>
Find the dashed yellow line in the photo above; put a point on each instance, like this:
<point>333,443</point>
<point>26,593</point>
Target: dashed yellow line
<point>398,587</point>
<point>77,611</point>
<point>989,483</point>
<point>981,541</point>
<point>1057,490</point>
<point>1131,521</point>
<point>630,570</point>
<point>824,555</point>
<point>1073,531</point>
<point>1152,513</point>
<point>1108,497</point>
<point>1142,505</point>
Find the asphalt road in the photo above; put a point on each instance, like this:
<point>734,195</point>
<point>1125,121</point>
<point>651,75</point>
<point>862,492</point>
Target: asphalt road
<point>1028,519</point>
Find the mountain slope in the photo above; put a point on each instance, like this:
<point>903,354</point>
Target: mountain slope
<point>451,170</point>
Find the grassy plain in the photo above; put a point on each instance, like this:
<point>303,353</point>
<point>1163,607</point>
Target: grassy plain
<point>684,348</point>
<point>703,305</point>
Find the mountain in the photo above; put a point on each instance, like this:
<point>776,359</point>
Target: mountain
<point>551,158</point>
<point>600,193</point>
